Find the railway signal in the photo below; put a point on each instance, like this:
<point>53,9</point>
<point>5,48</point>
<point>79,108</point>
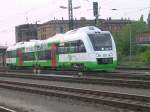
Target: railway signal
<point>95,12</point>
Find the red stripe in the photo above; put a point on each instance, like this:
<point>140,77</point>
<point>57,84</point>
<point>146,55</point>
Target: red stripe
<point>20,56</point>
<point>53,54</point>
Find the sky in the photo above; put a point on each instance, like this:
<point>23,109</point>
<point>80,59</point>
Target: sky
<point>17,12</point>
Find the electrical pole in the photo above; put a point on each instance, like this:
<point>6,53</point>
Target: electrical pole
<point>70,14</point>
<point>96,13</point>
<point>130,29</point>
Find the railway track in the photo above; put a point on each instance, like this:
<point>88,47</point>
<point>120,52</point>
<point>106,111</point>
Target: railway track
<point>4,109</point>
<point>115,74</point>
<point>144,84</point>
<point>128,101</point>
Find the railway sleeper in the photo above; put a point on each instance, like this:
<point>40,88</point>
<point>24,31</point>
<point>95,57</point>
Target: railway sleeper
<point>130,104</point>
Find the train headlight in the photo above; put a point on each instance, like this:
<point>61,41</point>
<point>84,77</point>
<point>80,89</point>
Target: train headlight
<point>98,55</point>
<point>110,54</point>
<point>102,49</point>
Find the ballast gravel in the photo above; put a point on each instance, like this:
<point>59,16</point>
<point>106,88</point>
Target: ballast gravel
<point>27,102</point>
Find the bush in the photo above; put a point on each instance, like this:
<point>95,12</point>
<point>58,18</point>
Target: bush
<point>145,57</point>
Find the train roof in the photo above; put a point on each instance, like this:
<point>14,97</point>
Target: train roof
<point>68,36</point>
<point>73,34</point>
<point>23,44</point>
<point>86,29</point>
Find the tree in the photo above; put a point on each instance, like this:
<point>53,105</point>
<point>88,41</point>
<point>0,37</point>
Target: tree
<point>132,31</point>
<point>148,20</point>
<point>142,18</point>
<point>146,56</point>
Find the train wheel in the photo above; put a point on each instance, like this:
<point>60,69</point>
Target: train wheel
<point>82,67</point>
<point>39,69</point>
<point>34,69</point>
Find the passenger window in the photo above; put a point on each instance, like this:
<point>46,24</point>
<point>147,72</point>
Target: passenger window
<point>71,47</point>
<point>28,56</point>
<point>11,54</point>
<point>44,55</point>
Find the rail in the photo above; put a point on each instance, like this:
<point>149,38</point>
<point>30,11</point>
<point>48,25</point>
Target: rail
<point>131,83</point>
<point>4,109</point>
<point>128,101</point>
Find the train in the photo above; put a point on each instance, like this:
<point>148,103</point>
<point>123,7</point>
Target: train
<point>86,48</point>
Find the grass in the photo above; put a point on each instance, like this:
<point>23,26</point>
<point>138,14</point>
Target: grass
<point>133,63</point>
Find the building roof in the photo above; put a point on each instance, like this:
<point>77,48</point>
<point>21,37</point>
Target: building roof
<point>116,21</point>
<point>108,21</point>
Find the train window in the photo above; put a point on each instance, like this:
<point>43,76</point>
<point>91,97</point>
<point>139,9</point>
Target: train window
<point>81,47</point>
<point>72,47</point>
<point>7,54</point>
<point>48,54</point>
<point>14,54</point>
<point>40,55</point>
<point>101,42</point>
<point>44,55</point>
<point>67,44</point>
<point>11,54</point>
<point>60,50</point>
<point>28,56</point>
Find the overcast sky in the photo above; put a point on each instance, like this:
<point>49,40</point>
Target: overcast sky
<point>16,12</point>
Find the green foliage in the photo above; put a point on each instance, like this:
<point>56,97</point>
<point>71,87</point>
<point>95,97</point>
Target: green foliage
<point>141,49</point>
<point>122,40</point>
<point>132,31</point>
<point>148,20</point>
<point>145,57</point>
<point>142,18</point>
<point>140,55</point>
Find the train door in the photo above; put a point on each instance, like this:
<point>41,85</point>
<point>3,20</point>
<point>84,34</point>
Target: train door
<point>20,57</point>
<point>53,55</point>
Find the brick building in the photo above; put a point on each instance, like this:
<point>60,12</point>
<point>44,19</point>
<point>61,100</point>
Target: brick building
<point>2,55</point>
<point>53,27</point>
<point>143,38</point>
<point>50,28</point>
<point>114,25</point>
<point>26,32</point>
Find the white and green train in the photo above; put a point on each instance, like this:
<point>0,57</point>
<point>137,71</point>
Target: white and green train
<point>86,48</point>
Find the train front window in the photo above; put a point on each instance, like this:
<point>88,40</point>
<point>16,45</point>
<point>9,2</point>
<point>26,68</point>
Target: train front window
<point>101,42</point>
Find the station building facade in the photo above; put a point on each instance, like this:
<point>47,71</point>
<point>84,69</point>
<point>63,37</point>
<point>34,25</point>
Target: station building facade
<point>26,32</point>
<point>50,28</point>
<point>2,55</point>
<point>143,38</point>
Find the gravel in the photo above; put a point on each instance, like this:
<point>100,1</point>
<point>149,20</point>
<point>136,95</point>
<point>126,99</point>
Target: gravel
<point>136,91</point>
<point>27,102</point>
